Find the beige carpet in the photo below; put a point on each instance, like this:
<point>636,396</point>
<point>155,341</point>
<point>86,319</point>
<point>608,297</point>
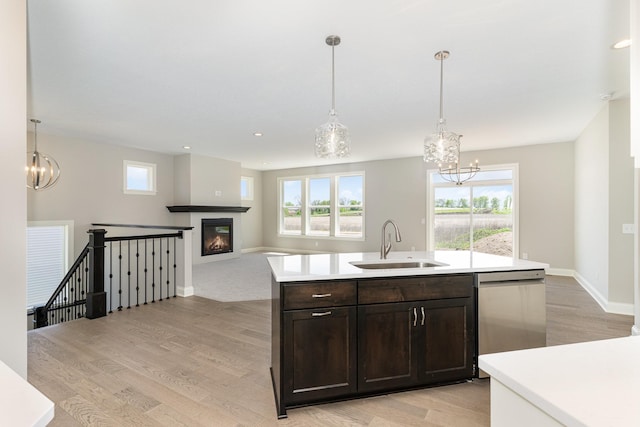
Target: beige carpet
<point>245,278</point>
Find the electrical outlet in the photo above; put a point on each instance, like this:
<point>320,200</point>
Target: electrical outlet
<point>525,255</point>
<point>218,193</point>
<point>628,228</point>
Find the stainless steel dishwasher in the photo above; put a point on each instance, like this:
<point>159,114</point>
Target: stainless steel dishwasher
<point>511,311</point>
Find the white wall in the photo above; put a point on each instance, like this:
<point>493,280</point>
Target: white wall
<point>397,189</point>
<point>393,189</point>
<point>621,182</point>
<point>546,199</point>
<point>13,128</point>
<point>604,195</point>
<point>252,219</point>
<point>203,180</point>
<point>591,205</point>
<point>90,188</point>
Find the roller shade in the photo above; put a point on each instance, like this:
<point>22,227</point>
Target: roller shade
<point>45,262</point>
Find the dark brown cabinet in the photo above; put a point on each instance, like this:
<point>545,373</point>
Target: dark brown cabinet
<point>447,340</point>
<point>387,354</point>
<point>415,331</point>
<point>319,354</point>
<point>314,348</point>
<point>343,338</point>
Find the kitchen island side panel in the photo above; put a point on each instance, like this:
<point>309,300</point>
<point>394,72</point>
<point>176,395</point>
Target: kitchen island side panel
<point>276,345</point>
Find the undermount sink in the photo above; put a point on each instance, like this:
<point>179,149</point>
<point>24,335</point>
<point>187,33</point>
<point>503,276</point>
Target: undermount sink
<point>396,264</point>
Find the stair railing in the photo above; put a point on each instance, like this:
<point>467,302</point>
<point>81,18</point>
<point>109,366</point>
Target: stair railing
<point>138,269</point>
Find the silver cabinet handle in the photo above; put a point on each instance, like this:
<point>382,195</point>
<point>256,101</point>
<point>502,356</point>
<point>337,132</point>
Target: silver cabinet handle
<point>422,310</point>
<point>320,295</point>
<point>415,317</point>
<point>326,313</point>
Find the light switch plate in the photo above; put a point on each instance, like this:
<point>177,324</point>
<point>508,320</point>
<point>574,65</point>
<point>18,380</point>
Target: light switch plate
<point>628,228</point>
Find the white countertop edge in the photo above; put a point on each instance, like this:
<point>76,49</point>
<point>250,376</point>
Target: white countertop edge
<point>340,268</point>
<point>21,404</point>
<point>554,411</point>
<point>564,356</point>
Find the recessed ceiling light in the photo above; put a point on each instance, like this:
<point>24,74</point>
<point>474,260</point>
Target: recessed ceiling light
<point>622,44</point>
<point>606,96</point>
<point>257,134</point>
<point>186,147</point>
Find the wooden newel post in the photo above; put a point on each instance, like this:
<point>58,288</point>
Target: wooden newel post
<point>96,296</point>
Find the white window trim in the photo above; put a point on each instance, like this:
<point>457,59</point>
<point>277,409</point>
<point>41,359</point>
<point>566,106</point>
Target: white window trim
<point>515,203</point>
<point>149,166</point>
<point>333,223</point>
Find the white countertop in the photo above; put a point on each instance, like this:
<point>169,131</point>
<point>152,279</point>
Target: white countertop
<point>21,404</point>
<point>594,383</point>
<point>292,268</point>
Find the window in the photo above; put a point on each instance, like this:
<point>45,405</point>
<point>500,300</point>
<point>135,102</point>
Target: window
<point>246,188</point>
<point>322,206</point>
<point>479,215</point>
<point>139,178</point>
<point>48,254</point>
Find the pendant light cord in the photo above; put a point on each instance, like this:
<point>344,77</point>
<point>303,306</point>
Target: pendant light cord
<point>333,81</point>
<point>441,80</point>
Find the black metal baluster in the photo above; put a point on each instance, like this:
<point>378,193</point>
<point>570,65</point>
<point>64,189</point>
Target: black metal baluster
<point>146,283</point>
<point>137,272</point>
<point>78,287</point>
<point>120,278</point>
<point>85,288</point>
<point>110,277</point>
<point>174,267</point>
<point>128,274</point>
<point>160,268</point>
<point>153,271</point>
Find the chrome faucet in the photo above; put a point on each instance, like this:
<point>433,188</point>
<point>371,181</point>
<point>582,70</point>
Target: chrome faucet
<point>385,246</point>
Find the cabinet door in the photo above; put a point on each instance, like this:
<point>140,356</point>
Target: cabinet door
<point>387,354</point>
<point>319,354</point>
<point>447,340</point>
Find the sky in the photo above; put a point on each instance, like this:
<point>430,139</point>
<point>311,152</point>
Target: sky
<point>349,187</point>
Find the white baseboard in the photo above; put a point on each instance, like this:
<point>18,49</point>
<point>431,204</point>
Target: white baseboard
<point>560,272</point>
<point>604,303</point>
<point>185,291</point>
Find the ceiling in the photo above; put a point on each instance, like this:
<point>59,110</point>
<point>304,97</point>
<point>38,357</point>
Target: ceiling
<point>162,74</point>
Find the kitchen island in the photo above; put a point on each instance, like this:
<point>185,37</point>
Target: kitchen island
<point>346,325</point>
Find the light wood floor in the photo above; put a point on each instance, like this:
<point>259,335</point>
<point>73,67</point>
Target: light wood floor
<point>193,361</point>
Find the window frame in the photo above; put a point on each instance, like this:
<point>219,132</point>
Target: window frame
<point>249,185</point>
<point>151,177</point>
<point>514,181</point>
<point>305,208</point>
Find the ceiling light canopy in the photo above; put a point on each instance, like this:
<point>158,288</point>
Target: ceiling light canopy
<point>332,138</point>
<point>42,170</point>
<point>443,147</point>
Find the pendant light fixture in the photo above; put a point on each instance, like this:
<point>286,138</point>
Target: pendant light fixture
<point>443,147</point>
<point>42,170</point>
<point>456,174</point>
<point>332,138</point>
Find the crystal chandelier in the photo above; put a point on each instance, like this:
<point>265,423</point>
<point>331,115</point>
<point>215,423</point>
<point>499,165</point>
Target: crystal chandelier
<point>332,138</point>
<point>443,147</point>
<point>42,170</point>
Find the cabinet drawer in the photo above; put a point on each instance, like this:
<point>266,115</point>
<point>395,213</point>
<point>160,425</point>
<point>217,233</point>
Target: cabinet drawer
<point>415,288</point>
<point>318,294</point>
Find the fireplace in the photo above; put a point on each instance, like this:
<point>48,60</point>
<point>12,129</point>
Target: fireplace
<point>217,236</point>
